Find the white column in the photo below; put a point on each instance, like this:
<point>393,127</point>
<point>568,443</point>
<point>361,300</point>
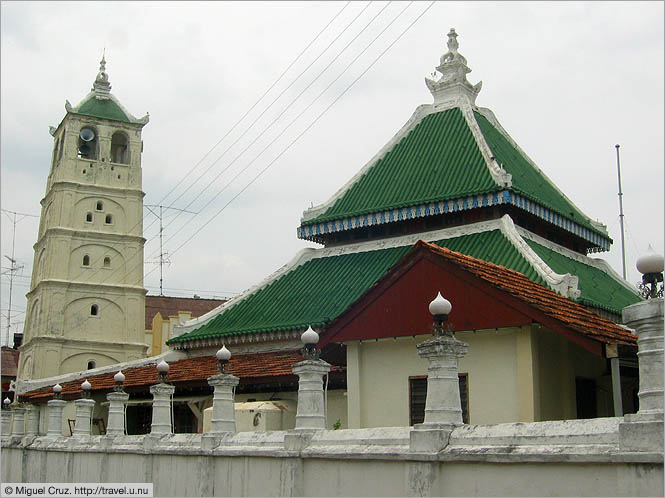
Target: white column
<point>18,424</point>
<point>33,420</point>
<point>643,431</point>
<point>646,318</point>
<point>223,409</point>
<point>442,405</point>
<point>6,422</point>
<point>116,422</point>
<point>161,409</point>
<point>83,424</point>
<point>310,413</point>
<point>55,407</point>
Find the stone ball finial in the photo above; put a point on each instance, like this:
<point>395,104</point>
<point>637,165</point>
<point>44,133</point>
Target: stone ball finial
<point>223,354</point>
<point>651,262</point>
<point>309,336</point>
<point>119,377</point>
<point>440,306</point>
<point>86,386</point>
<point>163,367</point>
<point>57,389</point>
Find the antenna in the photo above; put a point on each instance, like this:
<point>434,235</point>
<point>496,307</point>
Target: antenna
<point>162,260</point>
<point>623,242</point>
<point>14,267</point>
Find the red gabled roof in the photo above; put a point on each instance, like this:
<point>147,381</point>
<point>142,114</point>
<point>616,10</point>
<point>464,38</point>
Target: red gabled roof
<point>514,298</point>
<point>251,368</point>
<point>170,306</point>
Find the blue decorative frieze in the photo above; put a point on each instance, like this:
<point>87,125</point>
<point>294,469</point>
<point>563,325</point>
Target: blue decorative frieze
<point>451,206</point>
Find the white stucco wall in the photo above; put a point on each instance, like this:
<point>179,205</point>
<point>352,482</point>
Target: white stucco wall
<point>378,378</point>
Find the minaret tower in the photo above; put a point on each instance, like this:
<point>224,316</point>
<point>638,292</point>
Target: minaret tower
<point>86,303</point>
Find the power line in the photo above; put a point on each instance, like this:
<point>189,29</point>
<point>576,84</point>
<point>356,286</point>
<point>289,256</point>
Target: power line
<point>260,98</point>
<point>307,128</point>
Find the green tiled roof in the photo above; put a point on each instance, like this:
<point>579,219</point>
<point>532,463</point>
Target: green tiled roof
<point>437,160</point>
<point>326,287</point>
<point>598,289</point>
<point>528,181</point>
<point>106,108</point>
<point>440,160</point>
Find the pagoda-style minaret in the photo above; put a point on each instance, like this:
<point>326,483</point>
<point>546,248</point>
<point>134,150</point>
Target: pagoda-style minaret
<point>86,301</point>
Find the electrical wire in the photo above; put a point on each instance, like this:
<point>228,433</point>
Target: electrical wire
<point>256,177</point>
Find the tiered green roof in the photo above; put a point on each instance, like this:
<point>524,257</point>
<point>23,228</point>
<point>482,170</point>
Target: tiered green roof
<point>324,287</point>
<point>450,157</point>
<point>598,290</point>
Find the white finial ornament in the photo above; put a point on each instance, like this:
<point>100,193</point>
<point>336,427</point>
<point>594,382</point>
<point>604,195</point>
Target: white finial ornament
<point>86,386</point>
<point>453,87</point>
<point>6,401</point>
<point>101,86</point>
<point>163,367</point>
<point>650,262</point>
<point>57,389</point>
<point>119,377</point>
<point>440,306</point>
<point>223,354</point>
<point>309,336</point>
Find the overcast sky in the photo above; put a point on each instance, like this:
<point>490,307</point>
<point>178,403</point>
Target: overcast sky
<point>567,80</point>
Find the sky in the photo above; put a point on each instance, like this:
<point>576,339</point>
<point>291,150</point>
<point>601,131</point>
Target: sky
<point>259,110</point>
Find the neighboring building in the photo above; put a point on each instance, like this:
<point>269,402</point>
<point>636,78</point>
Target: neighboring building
<point>9,366</point>
<point>162,313</point>
<point>86,300</point>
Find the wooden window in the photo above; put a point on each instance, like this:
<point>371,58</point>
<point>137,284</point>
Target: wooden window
<point>418,394</point>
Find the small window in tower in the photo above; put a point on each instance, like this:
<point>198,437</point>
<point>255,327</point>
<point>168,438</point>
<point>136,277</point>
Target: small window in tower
<point>109,219</point>
<point>62,146</point>
<point>107,262</point>
<point>88,217</point>
<point>100,206</point>
<point>91,364</point>
<point>86,260</point>
<point>119,149</point>
<point>94,310</point>
<point>87,148</point>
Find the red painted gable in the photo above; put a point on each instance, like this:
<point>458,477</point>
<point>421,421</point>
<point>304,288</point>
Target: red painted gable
<point>399,306</point>
<point>483,295</point>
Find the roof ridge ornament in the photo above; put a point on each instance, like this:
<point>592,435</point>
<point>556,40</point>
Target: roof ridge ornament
<point>102,86</point>
<point>452,85</point>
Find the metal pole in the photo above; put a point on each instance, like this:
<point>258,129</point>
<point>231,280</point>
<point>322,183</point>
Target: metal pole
<point>623,242</point>
<point>161,254</point>
<point>11,280</point>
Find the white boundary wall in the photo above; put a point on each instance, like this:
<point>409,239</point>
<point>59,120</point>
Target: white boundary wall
<point>566,458</point>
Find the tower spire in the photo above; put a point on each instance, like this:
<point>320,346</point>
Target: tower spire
<point>453,85</point>
<point>102,86</point>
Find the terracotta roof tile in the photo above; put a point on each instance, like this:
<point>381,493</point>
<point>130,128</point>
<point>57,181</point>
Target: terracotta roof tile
<point>250,367</point>
<point>170,306</point>
<point>573,315</point>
